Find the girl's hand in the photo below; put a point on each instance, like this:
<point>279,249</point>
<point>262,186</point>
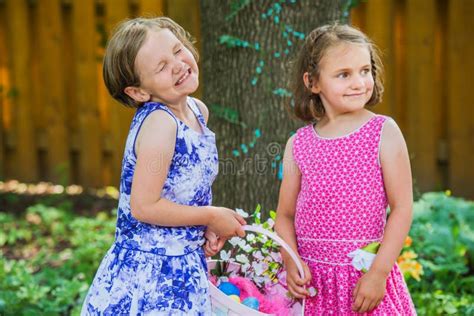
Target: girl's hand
<point>225,222</point>
<point>295,282</point>
<point>213,243</point>
<point>369,292</point>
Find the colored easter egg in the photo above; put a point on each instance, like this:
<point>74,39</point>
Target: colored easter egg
<point>251,302</point>
<point>229,288</point>
<point>235,298</point>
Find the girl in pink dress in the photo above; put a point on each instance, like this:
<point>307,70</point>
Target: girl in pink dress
<point>341,172</point>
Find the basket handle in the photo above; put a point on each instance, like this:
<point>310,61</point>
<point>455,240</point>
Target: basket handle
<point>280,241</point>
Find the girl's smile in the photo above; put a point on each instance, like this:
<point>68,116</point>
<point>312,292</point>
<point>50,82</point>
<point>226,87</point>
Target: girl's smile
<point>183,77</point>
<point>168,71</point>
<point>345,81</point>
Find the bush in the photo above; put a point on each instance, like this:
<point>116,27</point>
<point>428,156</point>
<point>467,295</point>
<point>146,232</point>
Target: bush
<point>443,234</point>
<point>48,257</point>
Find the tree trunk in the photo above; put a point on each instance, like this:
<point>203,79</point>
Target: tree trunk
<point>245,86</point>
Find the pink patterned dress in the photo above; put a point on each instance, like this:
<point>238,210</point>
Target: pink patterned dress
<point>342,207</point>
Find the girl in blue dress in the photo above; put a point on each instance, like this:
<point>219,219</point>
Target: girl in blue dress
<point>156,265</point>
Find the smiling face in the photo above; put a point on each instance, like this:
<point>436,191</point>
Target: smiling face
<point>167,69</point>
<point>345,81</point>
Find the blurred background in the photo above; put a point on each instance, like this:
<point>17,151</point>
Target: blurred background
<point>59,124</point>
<point>62,136</point>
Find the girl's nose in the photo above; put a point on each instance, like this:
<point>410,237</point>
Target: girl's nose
<point>357,82</point>
<point>178,67</point>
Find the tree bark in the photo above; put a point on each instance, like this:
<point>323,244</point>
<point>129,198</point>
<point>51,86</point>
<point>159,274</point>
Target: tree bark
<point>240,86</point>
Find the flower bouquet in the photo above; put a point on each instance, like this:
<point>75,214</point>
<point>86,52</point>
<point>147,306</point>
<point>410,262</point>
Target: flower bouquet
<point>248,278</point>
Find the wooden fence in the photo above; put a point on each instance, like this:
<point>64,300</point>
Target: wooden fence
<point>429,61</point>
<point>59,124</point>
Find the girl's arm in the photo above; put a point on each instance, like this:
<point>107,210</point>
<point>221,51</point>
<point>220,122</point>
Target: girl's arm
<point>154,149</point>
<point>398,186</point>
<point>284,224</point>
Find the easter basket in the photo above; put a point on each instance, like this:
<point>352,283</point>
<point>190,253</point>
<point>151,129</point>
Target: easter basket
<point>225,305</point>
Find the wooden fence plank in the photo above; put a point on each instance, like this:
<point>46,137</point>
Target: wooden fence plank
<point>379,26</point>
<point>400,66</point>
<point>151,8</point>
<point>105,117</point>
<point>4,86</point>
<point>422,94</point>
<point>71,111</point>
<point>23,154</point>
<point>120,116</point>
<point>461,98</point>
<point>52,88</point>
<point>85,41</point>
<point>187,14</point>
<point>36,93</point>
<point>358,15</point>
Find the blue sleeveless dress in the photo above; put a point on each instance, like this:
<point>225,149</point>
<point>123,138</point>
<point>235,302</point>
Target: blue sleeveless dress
<point>155,270</point>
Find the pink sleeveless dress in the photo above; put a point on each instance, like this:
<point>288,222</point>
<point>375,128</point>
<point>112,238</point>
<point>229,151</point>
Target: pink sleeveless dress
<point>342,207</point>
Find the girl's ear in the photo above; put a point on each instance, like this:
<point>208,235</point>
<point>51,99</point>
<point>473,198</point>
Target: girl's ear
<point>310,83</point>
<point>137,94</point>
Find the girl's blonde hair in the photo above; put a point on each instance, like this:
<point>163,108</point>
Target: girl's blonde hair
<point>119,60</point>
<point>308,106</point>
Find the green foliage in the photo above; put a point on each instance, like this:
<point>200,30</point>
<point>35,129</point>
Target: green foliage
<point>443,237</point>
<point>232,42</point>
<point>226,113</point>
<point>236,7</point>
<point>48,256</point>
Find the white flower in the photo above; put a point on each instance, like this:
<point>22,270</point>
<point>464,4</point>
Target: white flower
<point>276,256</point>
<point>242,243</point>
<point>225,255</point>
<point>260,279</point>
<point>264,279</point>
<point>259,267</point>
<point>245,268</point>
<point>361,259</point>
<point>250,237</point>
<point>242,259</point>
<point>241,212</point>
<point>234,241</point>
<point>247,248</point>
<point>258,255</point>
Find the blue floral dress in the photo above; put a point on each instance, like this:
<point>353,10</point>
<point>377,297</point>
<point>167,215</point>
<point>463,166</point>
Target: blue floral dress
<point>155,270</point>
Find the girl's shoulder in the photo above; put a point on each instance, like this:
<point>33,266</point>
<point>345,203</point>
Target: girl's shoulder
<point>390,129</point>
<point>302,139</point>
<point>202,108</point>
<point>308,128</point>
<point>155,114</point>
<point>153,126</point>
<point>158,126</point>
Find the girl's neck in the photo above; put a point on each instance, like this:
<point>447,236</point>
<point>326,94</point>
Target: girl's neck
<point>182,111</point>
<point>179,108</point>
<point>333,126</point>
<point>336,118</point>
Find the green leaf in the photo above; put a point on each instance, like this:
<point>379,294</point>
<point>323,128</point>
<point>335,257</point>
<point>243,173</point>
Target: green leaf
<point>273,215</point>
